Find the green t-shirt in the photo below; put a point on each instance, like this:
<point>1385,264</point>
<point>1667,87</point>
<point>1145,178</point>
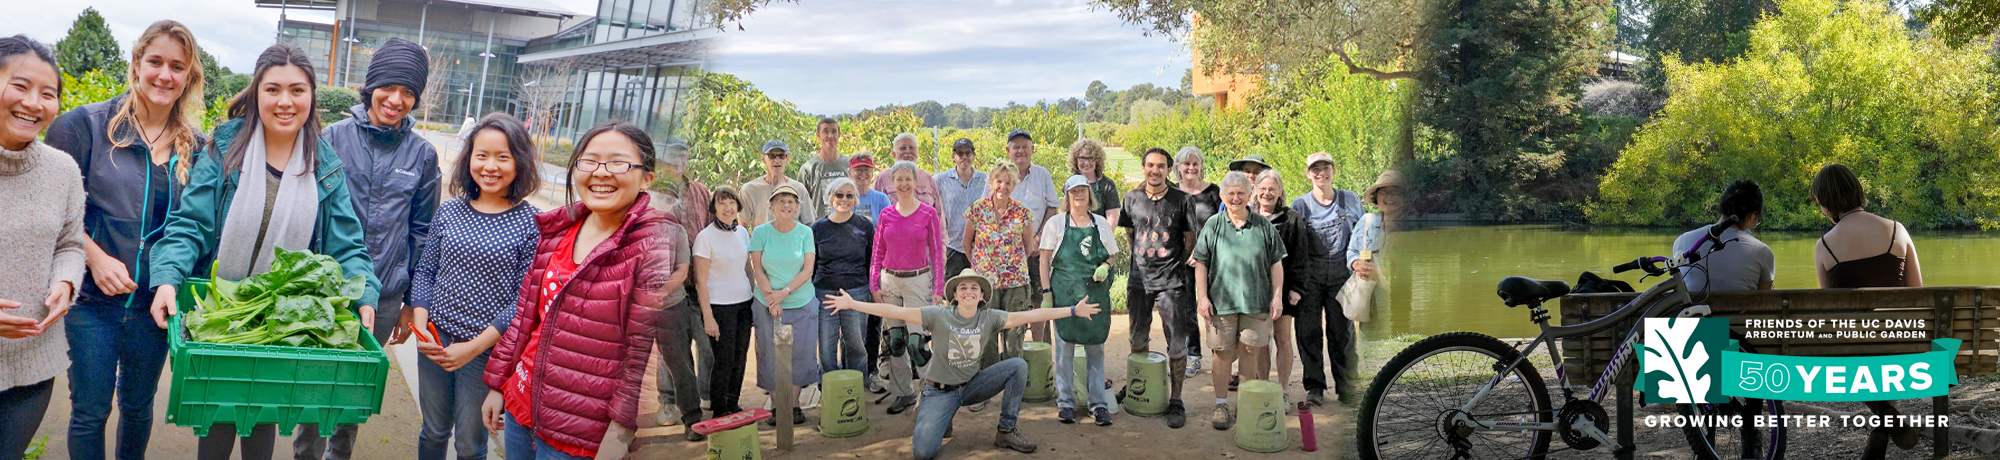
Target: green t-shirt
<point>784,257</point>
<point>957,341</point>
<point>1239,263</point>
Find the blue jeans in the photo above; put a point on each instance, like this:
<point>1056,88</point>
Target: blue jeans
<point>523,444</point>
<point>1007,378</point>
<point>1065,371</point>
<point>450,404</point>
<point>118,351</point>
<point>841,335</point>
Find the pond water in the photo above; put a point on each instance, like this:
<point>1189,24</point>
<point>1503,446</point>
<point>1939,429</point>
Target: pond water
<point>1443,277</point>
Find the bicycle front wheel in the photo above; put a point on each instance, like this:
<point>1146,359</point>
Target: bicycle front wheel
<point>1746,441</point>
<point>1416,406</point>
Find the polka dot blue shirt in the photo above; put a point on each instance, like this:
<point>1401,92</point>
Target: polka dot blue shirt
<point>470,275</point>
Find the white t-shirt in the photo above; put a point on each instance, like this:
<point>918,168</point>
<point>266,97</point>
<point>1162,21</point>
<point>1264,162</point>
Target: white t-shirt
<point>1052,232</point>
<point>1741,266</point>
<point>728,254</point>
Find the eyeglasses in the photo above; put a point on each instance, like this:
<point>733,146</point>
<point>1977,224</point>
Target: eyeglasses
<point>777,156</point>
<point>843,196</point>
<point>614,167</point>
<point>963,153</point>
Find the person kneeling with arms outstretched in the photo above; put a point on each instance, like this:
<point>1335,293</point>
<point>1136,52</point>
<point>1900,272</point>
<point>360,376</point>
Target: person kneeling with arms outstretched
<point>955,377</point>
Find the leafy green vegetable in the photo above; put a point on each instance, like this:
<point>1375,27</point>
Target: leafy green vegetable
<point>301,302</point>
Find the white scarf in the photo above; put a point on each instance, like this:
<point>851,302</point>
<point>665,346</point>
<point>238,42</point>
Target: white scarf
<point>291,219</point>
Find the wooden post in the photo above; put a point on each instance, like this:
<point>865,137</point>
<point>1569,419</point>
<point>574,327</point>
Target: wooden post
<point>783,389</point>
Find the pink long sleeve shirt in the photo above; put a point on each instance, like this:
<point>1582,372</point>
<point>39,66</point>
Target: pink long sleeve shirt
<point>908,243</point>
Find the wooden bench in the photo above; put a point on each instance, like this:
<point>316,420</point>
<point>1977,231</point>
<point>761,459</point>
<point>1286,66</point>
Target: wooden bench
<point>1968,313</point>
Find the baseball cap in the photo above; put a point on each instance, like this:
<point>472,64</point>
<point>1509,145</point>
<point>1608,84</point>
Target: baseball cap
<point>861,161</point>
<point>775,144</point>
<point>1019,133</point>
<point>786,189</point>
<point>1317,158</point>
<point>963,143</point>
<point>1074,182</point>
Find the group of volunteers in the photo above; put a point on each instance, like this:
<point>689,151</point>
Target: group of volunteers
<point>929,282</point>
<point>546,319</point>
<point>1862,250</point>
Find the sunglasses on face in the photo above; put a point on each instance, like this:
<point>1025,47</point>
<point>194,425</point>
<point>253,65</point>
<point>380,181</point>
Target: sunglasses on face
<point>776,156</point>
<point>843,196</point>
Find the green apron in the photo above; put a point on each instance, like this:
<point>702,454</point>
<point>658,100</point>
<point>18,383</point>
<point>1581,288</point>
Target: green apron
<point>1075,261</point>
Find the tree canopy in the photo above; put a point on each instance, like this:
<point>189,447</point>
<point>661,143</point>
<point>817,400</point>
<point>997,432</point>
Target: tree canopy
<point>89,46</point>
<point>1821,82</point>
<point>1374,37</point>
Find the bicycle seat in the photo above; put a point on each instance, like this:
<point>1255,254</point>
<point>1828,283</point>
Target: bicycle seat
<point>1521,290</point>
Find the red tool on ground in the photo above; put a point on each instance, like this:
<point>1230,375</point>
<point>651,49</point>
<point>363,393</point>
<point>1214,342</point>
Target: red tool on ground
<point>1306,426</point>
<point>732,421</point>
<point>431,338</point>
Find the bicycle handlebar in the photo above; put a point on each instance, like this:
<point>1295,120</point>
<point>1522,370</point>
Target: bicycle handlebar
<point>1714,235</point>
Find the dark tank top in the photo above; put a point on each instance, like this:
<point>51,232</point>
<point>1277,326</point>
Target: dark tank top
<point>1881,270</point>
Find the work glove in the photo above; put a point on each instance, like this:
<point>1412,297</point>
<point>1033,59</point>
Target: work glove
<point>1103,271</point>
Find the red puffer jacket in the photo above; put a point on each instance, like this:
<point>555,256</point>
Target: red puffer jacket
<point>597,337</point>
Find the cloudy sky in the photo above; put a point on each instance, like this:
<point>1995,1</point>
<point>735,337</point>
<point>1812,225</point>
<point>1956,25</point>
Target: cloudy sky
<point>842,56</point>
<point>826,56</point>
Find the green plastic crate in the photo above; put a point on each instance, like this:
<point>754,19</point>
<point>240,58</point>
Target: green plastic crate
<point>255,384</point>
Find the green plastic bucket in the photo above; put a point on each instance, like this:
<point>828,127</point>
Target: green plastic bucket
<point>737,444</point>
<point>1146,384</point>
<point>1041,385</point>
<point>1260,417</point>
<point>842,410</point>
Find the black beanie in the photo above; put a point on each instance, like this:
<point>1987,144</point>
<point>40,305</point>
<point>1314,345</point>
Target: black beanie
<point>397,62</point>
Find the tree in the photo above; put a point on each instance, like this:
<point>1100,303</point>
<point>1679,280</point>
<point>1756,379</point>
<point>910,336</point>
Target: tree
<point>89,46</point>
<point>930,111</point>
<point>1378,38</point>
<point>214,73</point>
<point>1504,84</point>
<point>545,95</point>
<point>1824,81</point>
<point>1095,92</point>
<point>1696,31</point>
<point>1961,21</point>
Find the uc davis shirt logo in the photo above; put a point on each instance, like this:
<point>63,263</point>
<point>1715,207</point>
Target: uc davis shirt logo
<point>1681,359</point>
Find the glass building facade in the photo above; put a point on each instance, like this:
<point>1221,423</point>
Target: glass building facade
<point>626,63</point>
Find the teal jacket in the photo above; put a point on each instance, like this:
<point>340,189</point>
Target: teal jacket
<point>192,234</point>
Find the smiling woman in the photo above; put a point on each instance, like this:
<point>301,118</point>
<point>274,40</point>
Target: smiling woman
<point>40,194</point>
<point>135,150</point>
<point>276,186</point>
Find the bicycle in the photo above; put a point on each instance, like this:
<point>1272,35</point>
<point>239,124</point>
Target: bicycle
<point>1442,403</point>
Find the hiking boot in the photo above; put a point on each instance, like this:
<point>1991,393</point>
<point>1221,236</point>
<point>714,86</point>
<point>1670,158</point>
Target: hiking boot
<point>902,403</point>
<point>1102,415</point>
<point>1176,415</point>
<point>977,407</point>
<point>1011,439</point>
<point>1316,398</point>
<point>1193,366</point>
<point>798,417</point>
<point>1223,418</point>
<point>669,416</point>
<point>695,437</point>
<point>873,386</point>
<point>1066,415</point>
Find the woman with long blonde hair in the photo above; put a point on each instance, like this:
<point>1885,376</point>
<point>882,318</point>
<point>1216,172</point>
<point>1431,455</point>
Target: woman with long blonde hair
<point>135,150</point>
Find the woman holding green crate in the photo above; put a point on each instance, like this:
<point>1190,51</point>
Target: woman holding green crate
<point>267,182</point>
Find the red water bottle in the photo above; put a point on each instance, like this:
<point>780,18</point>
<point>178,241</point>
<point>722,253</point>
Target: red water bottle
<point>1306,426</point>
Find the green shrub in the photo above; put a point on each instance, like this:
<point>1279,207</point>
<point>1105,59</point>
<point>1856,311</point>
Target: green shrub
<point>1824,81</point>
<point>94,86</point>
<point>333,102</point>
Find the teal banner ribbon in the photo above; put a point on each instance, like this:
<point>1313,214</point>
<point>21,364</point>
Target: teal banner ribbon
<point>1785,378</point>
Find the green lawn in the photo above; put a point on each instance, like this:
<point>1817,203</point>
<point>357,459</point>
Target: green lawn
<point>1127,165</point>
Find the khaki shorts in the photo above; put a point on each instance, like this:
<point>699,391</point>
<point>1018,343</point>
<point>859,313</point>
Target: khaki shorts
<point>1250,330</point>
